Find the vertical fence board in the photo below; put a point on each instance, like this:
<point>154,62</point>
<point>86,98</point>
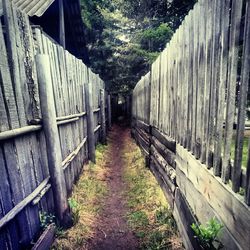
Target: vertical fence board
<point>236,11</point>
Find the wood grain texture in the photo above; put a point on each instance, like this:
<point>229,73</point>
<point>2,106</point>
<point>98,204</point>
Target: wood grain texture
<point>46,239</point>
<point>236,216</point>
<point>52,138</point>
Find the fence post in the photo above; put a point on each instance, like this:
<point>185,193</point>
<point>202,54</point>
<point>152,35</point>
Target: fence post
<point>109,113</point>
<point>103,117</point>
<point>52,140</point>
<point>90,120</point>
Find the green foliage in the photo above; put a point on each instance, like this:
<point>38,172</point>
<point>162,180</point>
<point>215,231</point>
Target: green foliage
<point>124,37</point>
<point>138,219</point>
<point>46,219</point>
<point>207,235</point>
<point>149,215</point>
<point>75,208</point>
<point>155,39</point>
<point>157,240</point>
<point>163,216</point>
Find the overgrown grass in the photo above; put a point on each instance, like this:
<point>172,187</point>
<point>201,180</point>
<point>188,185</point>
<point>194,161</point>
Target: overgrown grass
<point>149,215</point>
<point>86,204</point>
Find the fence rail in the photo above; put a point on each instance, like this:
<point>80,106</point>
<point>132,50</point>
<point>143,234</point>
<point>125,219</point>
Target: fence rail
<point>197,94</point>
<point>25,163</point>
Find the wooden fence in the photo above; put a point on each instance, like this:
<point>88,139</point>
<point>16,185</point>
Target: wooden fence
<point>42,152</point>
<point>189,115</point>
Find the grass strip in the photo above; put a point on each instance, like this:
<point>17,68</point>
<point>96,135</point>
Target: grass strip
<point>149,215</point>
<point>86,203</point>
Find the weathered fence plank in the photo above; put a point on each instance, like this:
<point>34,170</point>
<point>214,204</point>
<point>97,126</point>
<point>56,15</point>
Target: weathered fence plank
<point>103,119</point>
<point>199,85</point>
<point>90,120</point>
<point>236,12</point>
<point>52,138</point>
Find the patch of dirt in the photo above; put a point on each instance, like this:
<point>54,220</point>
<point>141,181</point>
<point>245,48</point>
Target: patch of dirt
<point>112,231</point>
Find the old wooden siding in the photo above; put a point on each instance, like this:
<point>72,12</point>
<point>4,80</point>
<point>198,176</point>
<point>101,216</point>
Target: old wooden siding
<point>197,91</point>
<point>25,188</point>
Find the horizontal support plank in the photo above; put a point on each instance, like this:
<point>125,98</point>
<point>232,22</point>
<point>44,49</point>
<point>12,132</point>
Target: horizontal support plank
<point>165,188</point>
<point>201,208</point>
<point>97,128</point>
<point>96,110</point>
<point>21,205</point>
<point>164,174</point>
<point>233,212</point>
<point>143,125</point>
<point>46,239</point>
<point>67,117</point>
<point>19,131</point>
<point>164,139</point>
<point>67,121</point>
<point>169,170</point>
<point>41,194</point>
<point>72,155</point>
<point>9,134</point>
<point>168,155</point>
<point>184,219</point>
<point>143,144</point>
<point>143,134</point>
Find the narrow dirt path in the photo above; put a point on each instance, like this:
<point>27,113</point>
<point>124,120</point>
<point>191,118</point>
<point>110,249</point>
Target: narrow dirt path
<point>112,231</point>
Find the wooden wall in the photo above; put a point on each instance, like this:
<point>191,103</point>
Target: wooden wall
<point>189,115</point>
<point>25,181</point>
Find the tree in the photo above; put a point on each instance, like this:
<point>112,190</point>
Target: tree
<point>125,36</point>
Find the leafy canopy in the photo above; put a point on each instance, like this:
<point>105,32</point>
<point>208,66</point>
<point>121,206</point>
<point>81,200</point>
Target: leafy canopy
<point>125,36</point>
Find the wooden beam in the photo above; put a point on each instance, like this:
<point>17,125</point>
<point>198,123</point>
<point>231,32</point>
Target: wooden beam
<point>96,110</point>
<point>229,206</point>
<point>72,155</point>
<point>109,113</point>
<point>103,120</point>
<point>21,205</point>
<point>97,128</point>
<point>52,140</point>
<point>19,131</point>
<point>166,190</point>
<point>168,155</point>
<point>67,121</point>
<point>168,170</point>
<point>184,219</point>
<point>90,119</point>
<point>41,194</point>
<point>61,24</point>
<point>164,139</point>
<point>201,208</point>
<point>70,116</point>
<point>143,125</point>
<point>46,239</point>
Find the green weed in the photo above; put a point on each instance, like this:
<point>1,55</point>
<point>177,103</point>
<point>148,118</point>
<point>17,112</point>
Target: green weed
<point>86,203</point>
<point>207,234</point>
<point>149,215</point>
<point>75,208</point>
<point>138,219</point>
<point>46,219</point>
